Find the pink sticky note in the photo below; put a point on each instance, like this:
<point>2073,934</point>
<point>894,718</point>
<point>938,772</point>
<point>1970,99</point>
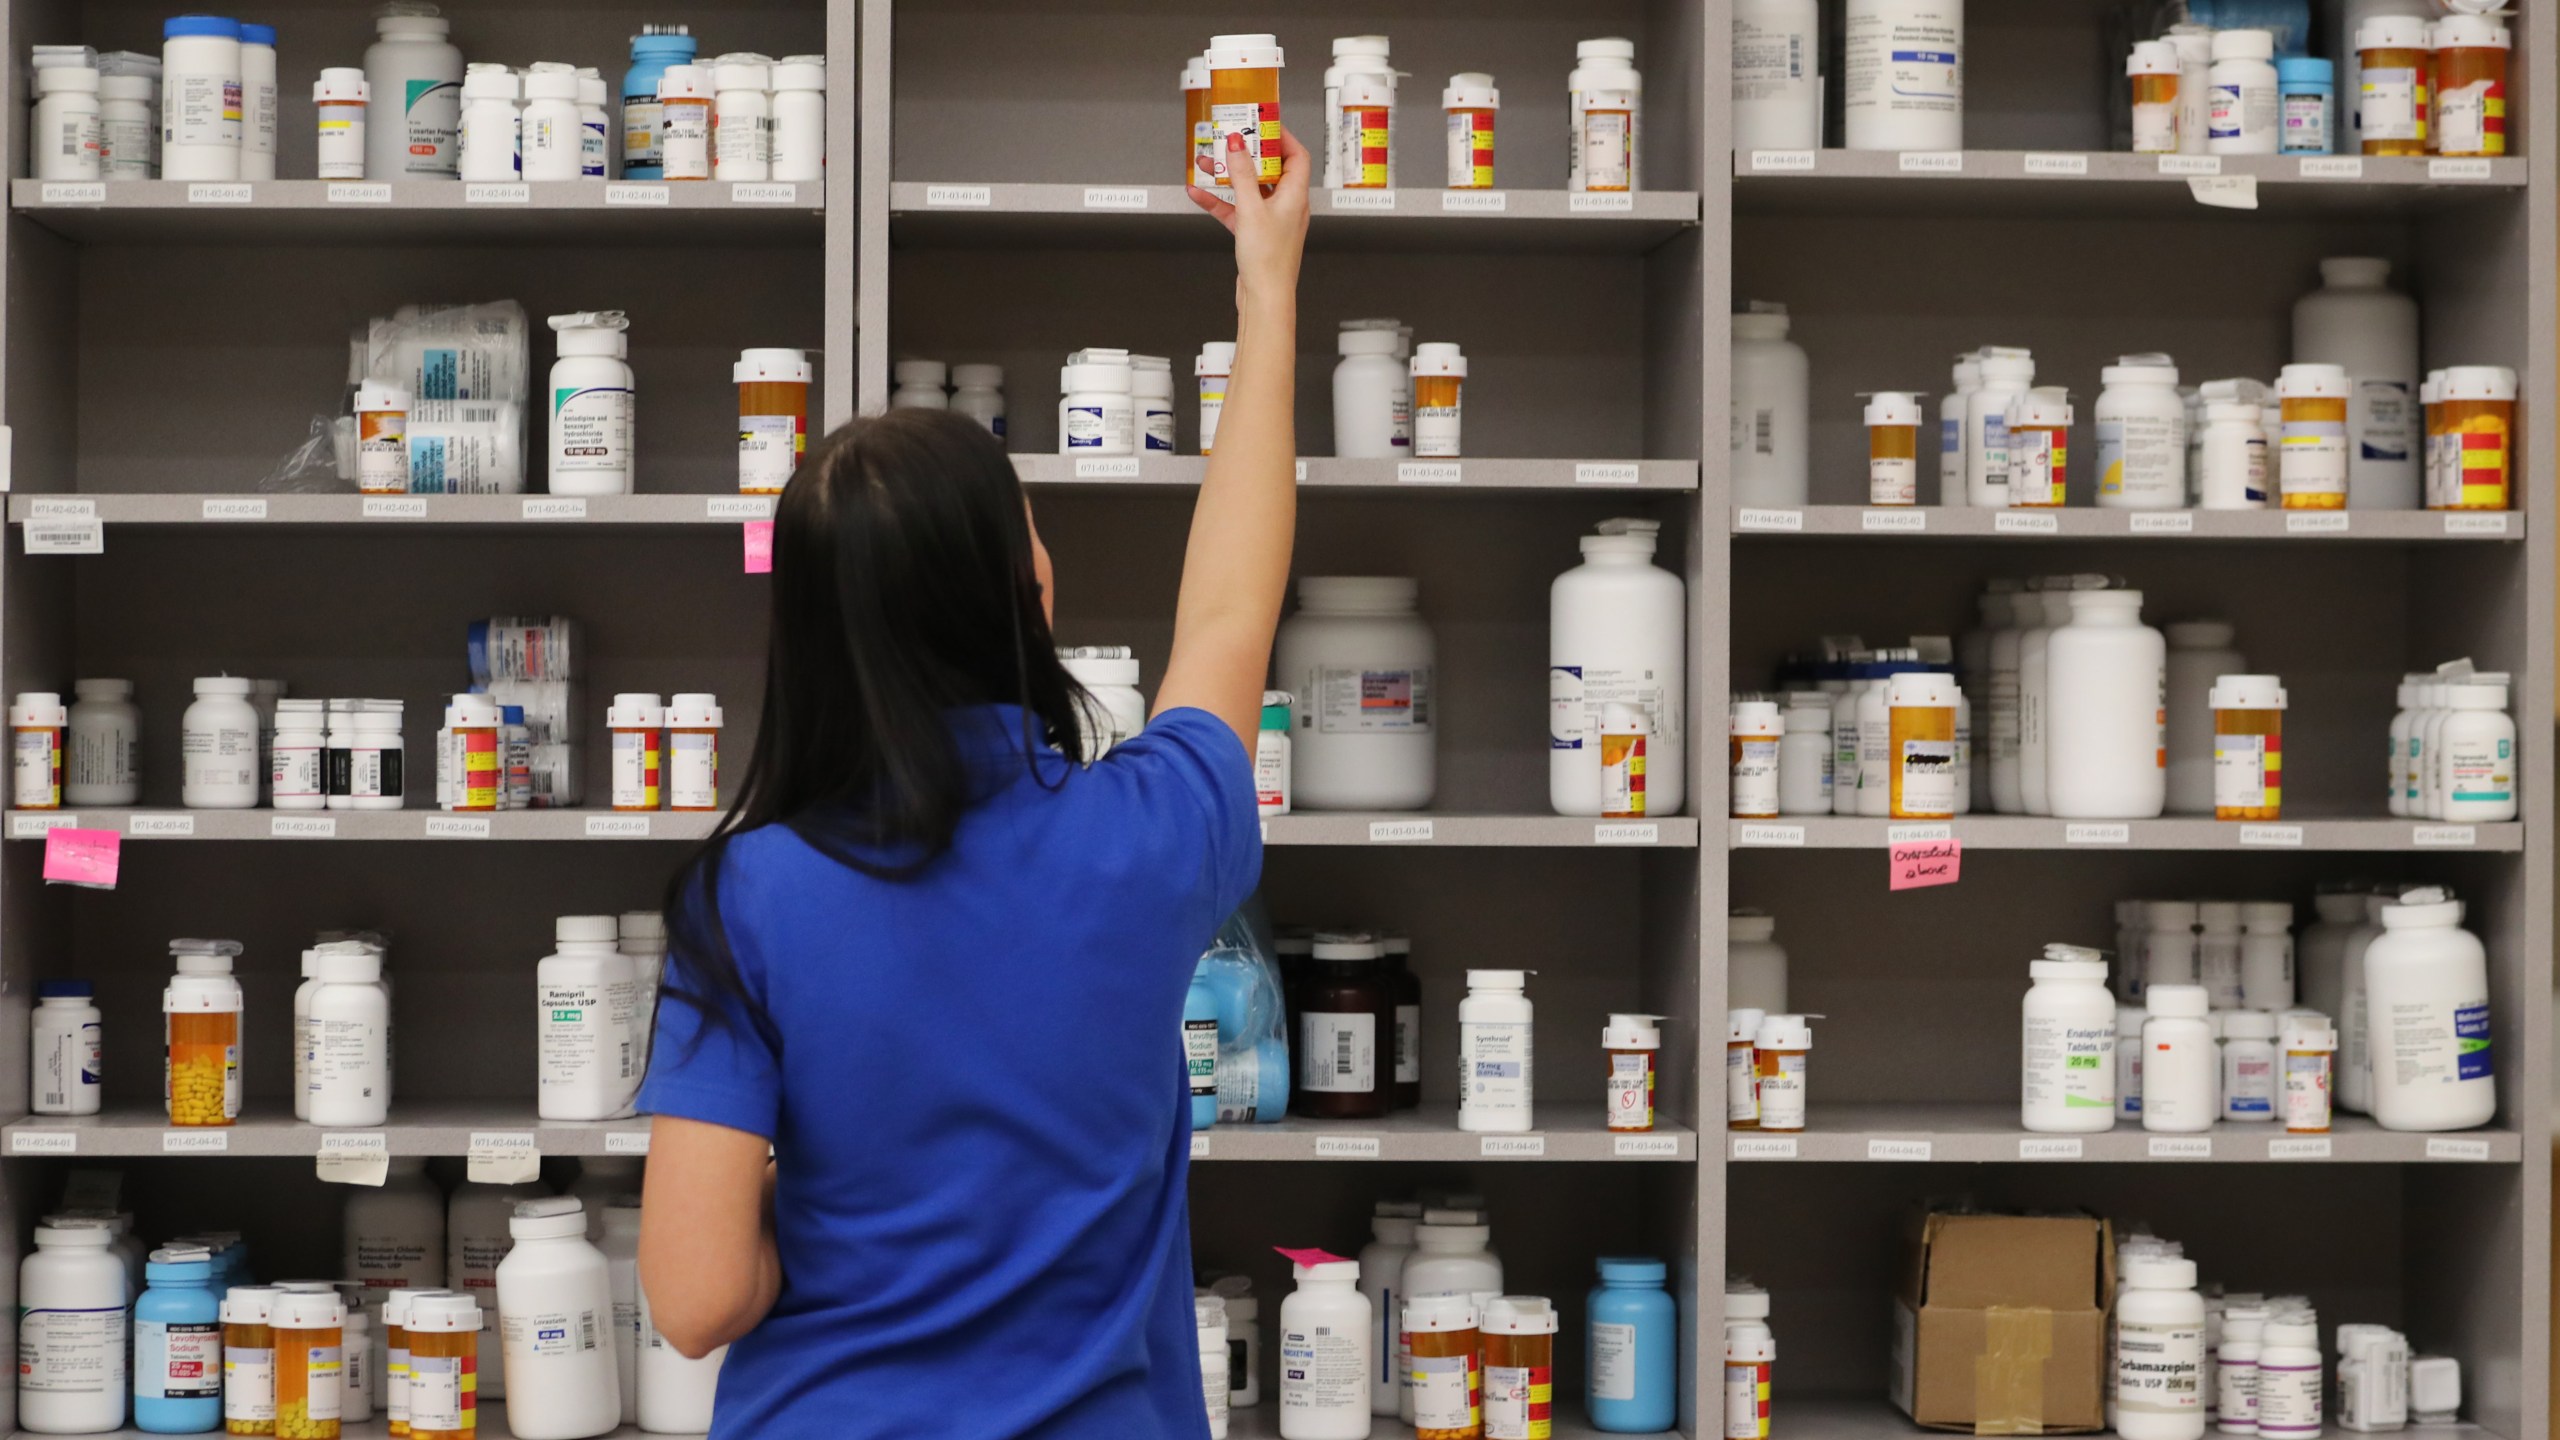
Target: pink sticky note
<point>1918,864</point>
<point>1307,1257</point>
<point>82,857</point>
<point>759,547</point>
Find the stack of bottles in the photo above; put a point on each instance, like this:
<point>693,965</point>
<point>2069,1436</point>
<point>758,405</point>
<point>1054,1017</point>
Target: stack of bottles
<point>1883,732</point>
<point>98,118</point>
<point>2453,747</point>
<point>529,664</point>
<point>1750,1359</point>
<point>457,378</point>
<point>976,391</point>
<point>1903,63</point>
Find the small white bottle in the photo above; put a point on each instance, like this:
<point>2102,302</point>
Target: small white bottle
<point>587,1004</point>
<point>2250,1066</point>
<point>297,767</point>
<point>1804,756</point>
<point>1772,449</point>
<point>1151,394</point>
<point>1391,1243</point>
<point>257,101</point>
<point>554,134</point>
<point>127,133</point>
<point>1968,378</point>
<point>684,127</point>
<point>555,1317</point>
<point>1215,363</point>
<point>1244,1340</point>
<point>1758,736</point>
<point>218,746</point>
<point>1755,963</point>
<point>492,130</point>
<point>919,385</point>
<point>1099,416</point>
<point>2129,1022</point>
<point>1368,396</point>
<point>1437,398</point>
<point>67,140</point>
<point>2142,436</point>
<point>1209,1323</point>
<point>2289,1376</point>
<point>1777,96</point>
<point>2245,117</point>
<point>2159,1351</point>
<point>741,118</point>
<point>350,1038</point>
<point>1271,755</point>
<point>2266,956</point>
<point>2218,952</point>
<point>2476,749</point>
<point>2180,1066</point>
<point>693,757</point>
<point>595,126</point>
<point>617,1238</point>
<point>2234,460</point>
<point>2007,375</point>
<point>1324,1391</point>
<point>1905,74</point>
<point>1496,1071</point>
<point>979,394</point>
<point>800,118</point>
<point>74,1296</point>
<point>2235,1369</point>
<point>593,399</point>
<point>2070,1028</point>
<point>66,1035</point>
<point>1785,1085</point>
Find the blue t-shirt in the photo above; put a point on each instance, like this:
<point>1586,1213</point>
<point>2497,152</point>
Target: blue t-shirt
<point>978,1103</point>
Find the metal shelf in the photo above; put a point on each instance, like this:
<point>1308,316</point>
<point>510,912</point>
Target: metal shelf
<point>2094,185</point>
<point>1262,1422</point>
<point>379,512</point>
<point>1567,1132</point>
<point>492,1426</point>
<point>960,214</point>
<point>332,212</point>
<point>1927,522</point>
<point>2028,832</point>
<point>429,1128</point>
<point>1403,477</point>
<point>1977,1134</point>
<point>1836,1417</point>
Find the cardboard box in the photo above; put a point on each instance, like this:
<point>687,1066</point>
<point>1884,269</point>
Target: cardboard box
<point>2000,1323</point>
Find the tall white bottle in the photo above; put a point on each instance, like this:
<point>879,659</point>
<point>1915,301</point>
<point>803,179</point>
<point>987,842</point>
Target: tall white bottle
<point>1968,378</point>
<point>2035,713</point>
<point>2427,1009</point>
<point>2105,673</point>
<point>1777,93</point>
<point>1772,411</point>
<point>675,1393</point>
<point>2356,320</point>
<point>1904,64</point>
<point>2199,651</point>
<point>555,1316</point>
<point>587,1022</point>
<point>2007,374</point>
<point>2000,725</point>
<point>1617,632</point>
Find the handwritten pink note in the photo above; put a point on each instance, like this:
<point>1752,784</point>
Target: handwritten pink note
<point>1918,864</point>
<point>759,547</point>
<point>82,857</point>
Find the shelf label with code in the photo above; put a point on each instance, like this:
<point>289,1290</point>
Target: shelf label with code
<point>2459,170</point>
<point>208,1141</point>
<point>2048,1147</point>
<point>1755,519</point>
<point>457,827</point>
<point>1783,162</point>
<point>1199,1145</point>
<point>738,507</point>
<point>617,827</point>
<point>1932,162</point>
<point>2225,192</point>
<point>2181,1147</point>
<point>2443,837</point>
<point>503,1157</point>
<point>1122,467</point>
<point>2314,1147</point>
<point>1115,197</point>
<point>1475,202</point>
<point>1615,833</point>
<point>497,192</point>
<point>59,507</point>
<point>2097,834</point>
<point>222,193</point>
<point>626,1142</point>
<point>763,192</point>
<point>623,192</point>
<point>1399,832</point>
<point>1346,1147</point>
<point>33,827</point>
<point>1512,1147</point>
<point>166,827</point>
<point>2025,522</point>
<point>1364,199</point>
<point>554,507</point>
<point>1646,1147</point>
<point>2164,522</point>
<point>2440,1147</point>
<point>2331,167</point>
<point>1606,474</point>
<point>1768,835</point>
<point>1897,521</point>
<point>1600,202</point>
<point>361,1157</point>
<point>74,192</point>
<point>1427,472</point>
<point>357,192</point>
<point>973,196</point>
<point>1764,1147</point>
<point>1899,1149</point>
<point>302,827</point>
<point>2190,164</point>
<point>2475,522</point>
<point>395,507</point>
<point>1910,833</point>
<point>235,509</point>
<point>2285,837</point>
<point>66,537</point>
<point>2315,522</point>
<point>2045,163</point>
<point>45,1142</point>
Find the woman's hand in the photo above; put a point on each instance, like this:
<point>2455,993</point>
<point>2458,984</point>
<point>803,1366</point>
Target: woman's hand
<point>1270,230</point>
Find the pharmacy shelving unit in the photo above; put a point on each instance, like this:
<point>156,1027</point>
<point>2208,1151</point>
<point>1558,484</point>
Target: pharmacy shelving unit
<point>2036,235</point>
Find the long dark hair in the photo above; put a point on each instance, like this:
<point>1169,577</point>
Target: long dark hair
<point>903,587</point>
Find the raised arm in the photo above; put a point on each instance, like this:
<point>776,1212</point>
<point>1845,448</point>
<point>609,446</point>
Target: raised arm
<point>1236,569</point>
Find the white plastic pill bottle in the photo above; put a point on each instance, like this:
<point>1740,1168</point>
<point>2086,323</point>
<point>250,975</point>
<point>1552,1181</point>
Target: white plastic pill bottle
<point>218,746</point>
<point>414,74</point>
<point>73,1294</point>
<point>350,1039</point>
<point>1324,1390</point>
<point>2427,1015</point>
<point>2159,1351</point>
<point>555,1320</point>
<point>1904,61</point>
<point>200,98</point>
<point>1497,1071</point>
<point>2068,1082</point>
<point>587,1009</point>
<point>2142,436</point>
<point>1111,710</point>
<point>2180,1064</point>
<point>67,1031</point>
<point>1361,660</point>
<point>1617,633</point>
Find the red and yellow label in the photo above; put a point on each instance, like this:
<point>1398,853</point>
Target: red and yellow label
<point>479,770</point>
<point>2485,469</point>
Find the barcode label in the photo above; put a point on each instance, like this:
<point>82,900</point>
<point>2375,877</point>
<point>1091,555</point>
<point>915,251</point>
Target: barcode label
<point>1345,1061</point>
<point>65,537</point>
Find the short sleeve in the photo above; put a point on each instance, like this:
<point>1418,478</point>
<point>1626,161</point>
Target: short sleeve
<point>709,1060</point>
<point>1197,752</point>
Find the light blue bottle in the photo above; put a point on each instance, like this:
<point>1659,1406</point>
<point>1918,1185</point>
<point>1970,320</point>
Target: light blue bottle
<point>2307,105</point>
<point>177,1345</point>
<point>1200,1046</point>
<point>1627,1371</point>
<point>652,50</point>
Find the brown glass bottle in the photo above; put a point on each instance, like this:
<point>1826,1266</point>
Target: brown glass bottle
<point>1404,1015</point>
<point>1346,1032</point>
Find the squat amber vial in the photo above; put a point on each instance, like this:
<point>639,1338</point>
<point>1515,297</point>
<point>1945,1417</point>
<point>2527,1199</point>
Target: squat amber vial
<point>2268,726</point>
<point>203,1046</point>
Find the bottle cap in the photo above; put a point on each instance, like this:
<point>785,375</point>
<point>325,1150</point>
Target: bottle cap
<point>685,82</point>
<point>585,929</point>
<point>1632,1270</point>
<point>978,377</point>
<point>695,711</point>
<point>1764,321</point>
<point>1472,90</point>
<point>2247,692</point>
<point>250,1304</point>
<point>180,26</point>
<point>2248,1025</point>
<point>1497,979</point>
<point>1438,358</point>
<point>1439,1313</point>
<point>552,1217</point>
<point>2473,32</point>
<point>1784,1032</point>
<point>361,967</point>
<point>774,367</point>
<point>1893,407</point>
<point>2478,382</point>
<point>1519,1315</point>
<point>2080,965</point>
<point>2160,1273</point>
<point>2177,1002</point>
<point>1243,52</point>
<point>1747,926</point>
<point>1218,357</point>
<point>2305,70</point>
<point>551,83</point>
<point>2244,45</point>
<point>1742,1027</point>
<point>1632,1032</point>
<point>634,711</point>
<point>2264,915</point>
<point>2313,382</point>
<point>35,709</point>
<point>64,989</point>
<point>293,1310</point>
<point>374,396</point>
<point>2140,370</point>
<point>442,1312</point>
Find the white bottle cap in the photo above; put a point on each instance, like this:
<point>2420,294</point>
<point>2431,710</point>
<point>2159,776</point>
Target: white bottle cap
<point>1893,407</point>
<point>488,82</point>
<point>1757,719</point>
<point>1497,979</point>
<point>585,929</point>
<point>1742,1027</point>
<point>1439,1313</point>
<point>2244,45</point>
<point>1784,1032</point>
<point>343,84</point>
<point>2177,1002</point>
<point>2479,382</point>
<point>551,82</point>
<point>1439,358</point>
<point>2267,914</point>
<point>1363,342</point>
<point>685,82</point>
<point>1472,90</point>
<point>693,712</point>
<point>377,396</point>
<point>293,1310</point>
<point>2248,1025</point>
<point>2247,692</point>
<point>2473,32</point>
<point>2152,57</point>
<point>2160,1273</point>
<point>1743,926</point>
<point>222,685</point>
<point>1632,1032</point>
<point>978,377</point>
<point>1519,1315</point>
<point>773,366</point>
<point>1345,1272</point>
<point>2312,382</point>
<point>634,711</point>
<point>1110,379</point>
<point>360,967</point>
<point>798,73</point>
<point>1218,357</point>
<point>552,1217</point>
<point>2393,32</point>
<point>1244,52</point>
<point>37,709</point>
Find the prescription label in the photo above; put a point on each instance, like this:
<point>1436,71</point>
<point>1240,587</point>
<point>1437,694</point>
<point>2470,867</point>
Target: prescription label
<point>1361,701</point>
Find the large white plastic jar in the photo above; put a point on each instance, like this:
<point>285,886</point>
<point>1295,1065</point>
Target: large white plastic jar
<point>587,999</point>
<point>394,1232</point>
<point>1360,660</point>
<point>2181,1069</point>
<point>1755,963</point>
<point>555,1318</point>
<point>2068,1064</point>
<point>2159,1349</point>
<point>1777,96</point>
<point>2356,320</point>
<point>593,399</point>
<point>1904,74</point>
<point>218,747</point>
<point>1617,634</point>
<point>72,1298</point>
<point>350,1039</point>
<point>2354,1080</point>
<point>102,750</point>
<point>675,1393</point>
<point>1324,1389</point>
<point>200,100</point>
<point>2200,651</point>
<point>2035,714</point>
<point>415,75</point>
<point>2142,436</point>
<point>477,1238</point>
<point>2105,672</point>
<point>1772,411</point>
<point>2427,1017</point>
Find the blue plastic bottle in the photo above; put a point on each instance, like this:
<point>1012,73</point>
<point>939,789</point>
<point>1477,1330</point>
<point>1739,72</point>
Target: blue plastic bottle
<point>177,1345</point>
<point>652,50</point>
<point>1627,1370</point>
<point>1200,1046</point>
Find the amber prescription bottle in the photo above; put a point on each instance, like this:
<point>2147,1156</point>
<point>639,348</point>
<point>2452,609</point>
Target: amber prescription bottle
<point>309,1374</point>
<point>693,752</point>
<point>1471,102</point>
<point>396,1305</point>
<point>2478,411</point>
<point>1921,721</point>
<point>1196,128</point>
<point>773,417</point>
<point>2310,1048</point>
<point>248,1361</point>
<point>1364,129</point>
<point>2395,56</point>
<point>2311,455</point>
<point>2248,747</point>
<point>1244,99</point>
<point>1633,1044</point>
<point>1343,1011</point>
<point>635,723</point>
<point>473,719</point>
<point>1519,1368</point>
<point>1893,448</point>
<point>1439,375</point>
<point>2431,464</point>
<point>1626,738</point>
<point>2471,85</point>
<point>1758,731</point>
<point>35,750</point>
<point>202,1007</point>
<point>1783,1051</point>
<point>444,1378</point>
<point>2040,448</point>
<point>1742,1069</point>
<point>1404,1000</point>
<point>1443,1378</point>
<point>2153,68</point>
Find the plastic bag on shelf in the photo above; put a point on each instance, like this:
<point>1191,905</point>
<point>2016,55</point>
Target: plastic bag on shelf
<point>467,369</point>
<point>312,467</point>
<point>1253,1041</point>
